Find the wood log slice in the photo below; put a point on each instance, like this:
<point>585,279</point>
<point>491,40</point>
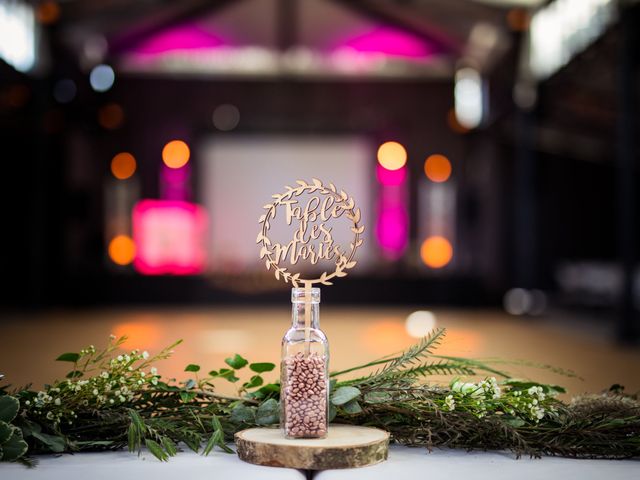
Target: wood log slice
<point>345,446</point>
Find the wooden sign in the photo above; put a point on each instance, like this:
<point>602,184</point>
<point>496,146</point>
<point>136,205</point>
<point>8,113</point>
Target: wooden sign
<point>308,208</point>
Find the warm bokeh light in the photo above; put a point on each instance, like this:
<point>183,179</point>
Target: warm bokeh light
<point>518,19</point>
<point>419,324</point>
<point>175,154</point>
<point>110,116</point>
<point>391,177</point>
<point>437,168</point>
<point>453,123</point>
<point>392,155</point>
<point>122,250</point>
<point>141,333</point>
<point>436,252</point>
<point>48,12</point>
<point>387,335</point>
<point>123,165</point>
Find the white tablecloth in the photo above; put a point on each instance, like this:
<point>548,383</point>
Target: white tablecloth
<point>417,464</point>
<point>403,464</point>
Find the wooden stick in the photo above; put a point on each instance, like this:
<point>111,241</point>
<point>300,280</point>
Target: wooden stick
<point>307,318</point>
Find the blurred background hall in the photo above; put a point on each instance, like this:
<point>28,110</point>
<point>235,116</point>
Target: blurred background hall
<point>492,146</point>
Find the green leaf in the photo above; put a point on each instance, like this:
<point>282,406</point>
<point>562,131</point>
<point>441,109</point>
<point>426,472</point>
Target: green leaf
<point>5,432</point>
<point>54,443</point>
<point>344,394</point>
<point>132,438</point>
<point>187,396</point>
<point>74,374</point>
<point>228,375</point>
<point>268,412</point>
<point>378,397</point>
<point>236,361</point>
<point>215,423</point>
<point>333,411</point>
<point>242,414</point>
<point>137,421</point>
<point>15,447</point>
<point>157,451</point>
<point>262,367</point>
<point>68,357</point>
<point>352,407</point>
<point>213,373</point>
<point>514,421</point>
<point>255,381</point>
<point>9,407</point>
<point>332,385</point>
<point>192,367</point>
<point>169,446</point>
<point>214,440</point>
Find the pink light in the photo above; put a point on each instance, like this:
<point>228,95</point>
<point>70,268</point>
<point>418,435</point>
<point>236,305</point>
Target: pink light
<point>169,237</point>
<point>183,37</point>
<point>391,41</point>
<point>391,177</point>
<point>392,231</point>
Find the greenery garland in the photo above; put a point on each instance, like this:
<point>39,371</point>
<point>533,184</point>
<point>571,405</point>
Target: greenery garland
<point>111,400</point>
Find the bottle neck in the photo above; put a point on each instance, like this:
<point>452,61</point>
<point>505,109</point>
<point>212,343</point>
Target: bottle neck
<point>298,314</point>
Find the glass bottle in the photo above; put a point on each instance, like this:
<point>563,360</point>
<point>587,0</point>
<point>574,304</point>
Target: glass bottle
<point>304,374</point>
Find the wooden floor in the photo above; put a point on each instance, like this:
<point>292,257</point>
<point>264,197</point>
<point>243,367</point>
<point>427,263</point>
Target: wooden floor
<point>30,342</point>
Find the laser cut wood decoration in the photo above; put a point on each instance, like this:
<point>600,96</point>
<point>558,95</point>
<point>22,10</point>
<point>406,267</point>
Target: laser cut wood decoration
<point>324,203</point>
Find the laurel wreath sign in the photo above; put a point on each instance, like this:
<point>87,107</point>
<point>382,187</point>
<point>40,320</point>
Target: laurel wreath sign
<point>343,262</point>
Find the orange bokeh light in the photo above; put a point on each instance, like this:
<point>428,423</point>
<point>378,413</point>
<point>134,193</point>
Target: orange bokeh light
<point>48,12</point>
<point>175,154</point>
<point>437,168</point>
<point>436,252</point>
<point>392,155</point>
<point>518,19</point>
<point>123,165</point>
<point>122,250</point>
<point>454,124</point>
<point>111,116</point>
<point>140,333</point>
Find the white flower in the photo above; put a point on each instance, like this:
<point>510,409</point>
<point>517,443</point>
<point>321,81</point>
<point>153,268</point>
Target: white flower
<point>467,388</point>
<point>145,354</point>
<point>95,391</point>
<point>142,374</point>
<point>57,401</point>
<point>112,337</point>
<point>127,358</point>
<point>111,400</point>
<point>27,402</point>
<point>450,402</point>
<point>154,381</point>
<point>154,371</point>
<point>121,398</point>
<point>119,358</point>
<point>50,415</point>
<point>104,375</point>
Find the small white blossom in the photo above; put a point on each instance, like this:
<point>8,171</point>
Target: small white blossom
<point>121,398</point>
<point>27,402</point>
<point>95,391</point>
<point>154,381</point>
<point>119,358</point>
<point>145,354</point>
<point>50,415</point>
<point>112,337</point>
<point>57,401</point>
<point>154,371</point>
<point>104,375</point>
<point>450,402</point>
